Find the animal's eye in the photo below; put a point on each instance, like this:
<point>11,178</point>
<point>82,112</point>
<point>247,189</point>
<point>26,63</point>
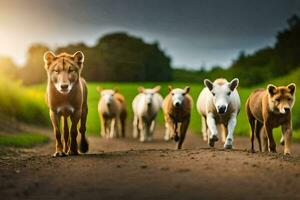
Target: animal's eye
<point>172,94</point>
<point>278,100</point>
<point>228,93</point>
<point>71,70</point>
<point>55,71</point>
<point>213,94</point>
<point>289,99</point>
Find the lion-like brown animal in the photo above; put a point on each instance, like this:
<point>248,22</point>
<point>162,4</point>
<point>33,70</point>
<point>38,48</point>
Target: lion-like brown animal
<point>66,96</point>
<point>270,108</point>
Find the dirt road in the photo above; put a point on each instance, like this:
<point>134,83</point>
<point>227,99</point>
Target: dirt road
<point>127,169</point>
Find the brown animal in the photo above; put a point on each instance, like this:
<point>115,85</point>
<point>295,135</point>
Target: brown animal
<point>66,96</point>
<point>177,108</point>
<point>112,113</point>
<point>267,109</point>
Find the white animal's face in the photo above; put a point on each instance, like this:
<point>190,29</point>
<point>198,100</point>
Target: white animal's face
<point>178,96</point>
<point>107,96</point>
<point>221,93</point>
<point>149,93</point>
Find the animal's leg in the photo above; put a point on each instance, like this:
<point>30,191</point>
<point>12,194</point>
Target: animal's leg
<point>183,129</point>
<point>230,127</point>
<point>271,142</point>
<point>211,123</point>
<point>167,132</point>
<point>135,127</point>
<point>107,122</point>
<point>84,145</point>
<point>287,134</point>
<point>142,128</point>
<point>223,130</point>
<point>258,129</point>
<point>147,129</point>
<point>102,124</point>
<point>152,127</point>
<point>112,128</point>
<point>73,143</point>
<point>117,127</point>
<point>265,140</point>
<point>252,126</point>
<point>55,119</point>
<point>66,135</point>
<point>204,128</point>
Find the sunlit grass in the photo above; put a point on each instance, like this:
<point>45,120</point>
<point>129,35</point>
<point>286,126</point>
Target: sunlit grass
<point>22,140</point>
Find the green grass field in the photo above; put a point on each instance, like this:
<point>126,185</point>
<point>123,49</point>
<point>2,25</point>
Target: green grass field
<point>129,90</point>
<point>22,140</point>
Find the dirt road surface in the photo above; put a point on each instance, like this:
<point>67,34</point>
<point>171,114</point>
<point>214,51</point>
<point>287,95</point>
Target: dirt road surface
<point>128,169</point>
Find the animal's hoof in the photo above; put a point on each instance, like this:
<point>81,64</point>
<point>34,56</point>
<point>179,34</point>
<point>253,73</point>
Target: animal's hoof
<point>142,140</point>
<point>59,154</point>
<point>72,153</point>
<point>176,138</point>
<point>252,151</point>
<point>287,153</point>
<point>228,144</point>
<point>149,139</point>
<point>213,140</point>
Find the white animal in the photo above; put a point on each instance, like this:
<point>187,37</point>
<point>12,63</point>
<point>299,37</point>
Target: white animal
<point>219,104</point>
<point>146,106</point>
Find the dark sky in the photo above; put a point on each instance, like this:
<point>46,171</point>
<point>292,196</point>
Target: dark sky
<point>193,32</point>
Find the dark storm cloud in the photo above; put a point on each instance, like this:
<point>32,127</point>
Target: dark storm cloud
<point>193,32</point>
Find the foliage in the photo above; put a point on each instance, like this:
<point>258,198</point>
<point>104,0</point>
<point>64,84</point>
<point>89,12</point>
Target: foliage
<point>19,103</point>
<point>115,57</point>
<point>22,140</point>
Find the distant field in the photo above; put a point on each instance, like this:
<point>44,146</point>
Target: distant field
<point>129,90</point>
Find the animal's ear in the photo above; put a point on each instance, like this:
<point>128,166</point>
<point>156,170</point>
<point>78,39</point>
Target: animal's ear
<point>292,87</point>
<point>186,89</point>
<point>141,89</point>
<point>208,84</point>
<point>170,88</point>
<point>78,57</point>
<point>234,84</point>
<point>157,88</point>
<point>116,90</point>
<point>272,89</point>
<point>99,89</point>
<point>49,56</point>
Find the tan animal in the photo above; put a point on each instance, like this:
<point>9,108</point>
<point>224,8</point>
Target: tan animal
<point>177,107</point>
<point>112,113</point>
<point>267,109</point>
<point>66,96</point>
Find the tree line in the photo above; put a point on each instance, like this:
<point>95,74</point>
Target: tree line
<point>115,57</point>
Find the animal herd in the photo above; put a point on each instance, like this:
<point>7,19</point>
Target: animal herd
<point>218,105</point>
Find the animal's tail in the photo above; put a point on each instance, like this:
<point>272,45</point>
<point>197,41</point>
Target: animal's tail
<point>123,117</point>
<point>84,145</point>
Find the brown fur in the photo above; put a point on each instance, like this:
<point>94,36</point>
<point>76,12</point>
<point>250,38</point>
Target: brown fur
<point>265,110</point>
<point>173,116</point>
<point>66,69</point>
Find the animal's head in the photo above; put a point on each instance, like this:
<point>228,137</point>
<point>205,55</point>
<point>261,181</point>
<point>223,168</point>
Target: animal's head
<point>63,70</point>
<point>281,98</point>
<point>149,93</point>
<point>178,95</point>
<point>107,95</point>
<point>221,90</point>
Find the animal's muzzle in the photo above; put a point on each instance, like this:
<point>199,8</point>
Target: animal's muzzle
<point>287,110</point>
<point>64,87</point>
<point>222,109</point>
<point>177,104</point>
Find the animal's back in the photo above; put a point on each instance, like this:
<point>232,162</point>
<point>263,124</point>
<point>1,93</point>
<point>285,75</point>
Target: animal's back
<point>203,98</point>
<point>254,103</point>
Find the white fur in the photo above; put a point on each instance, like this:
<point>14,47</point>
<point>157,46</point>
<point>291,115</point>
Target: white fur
<point>205,103</point>
<point>146,106</point>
